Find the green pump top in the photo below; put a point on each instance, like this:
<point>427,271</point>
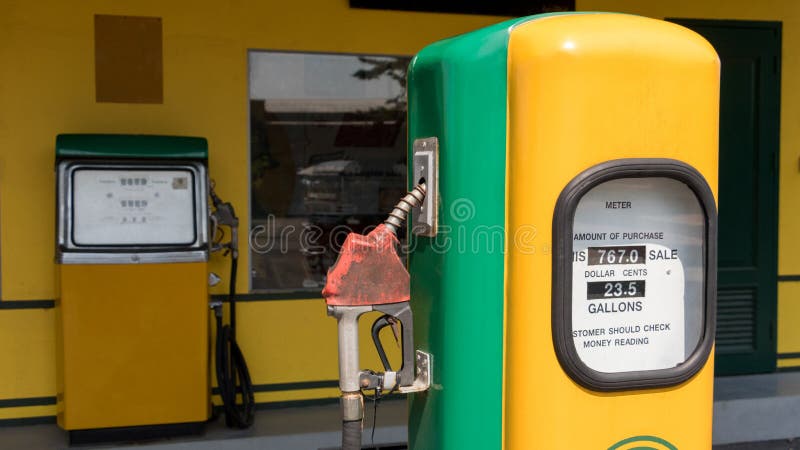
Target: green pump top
<point>130,146</point>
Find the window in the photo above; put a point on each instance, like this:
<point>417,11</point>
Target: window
<point>327,156</point>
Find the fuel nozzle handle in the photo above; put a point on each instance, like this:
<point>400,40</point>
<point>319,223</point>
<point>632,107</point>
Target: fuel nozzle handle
<point>369,276</point>
<point>397,313</point>
<point>368,270</point>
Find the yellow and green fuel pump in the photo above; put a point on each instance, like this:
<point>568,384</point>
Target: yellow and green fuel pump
<point>134,234</point>
<point>563,260</point>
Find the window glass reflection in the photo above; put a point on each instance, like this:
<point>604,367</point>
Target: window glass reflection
<point>327,156</point>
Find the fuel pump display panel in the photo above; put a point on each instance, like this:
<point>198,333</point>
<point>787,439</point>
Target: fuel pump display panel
<point>130,212</point>
<point>634,281</point>
<point>133,207</point>
<point>637,286</point>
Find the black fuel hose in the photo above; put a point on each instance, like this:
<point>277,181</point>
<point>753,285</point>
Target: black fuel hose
<point>351,435</point>
<point>233,377</point>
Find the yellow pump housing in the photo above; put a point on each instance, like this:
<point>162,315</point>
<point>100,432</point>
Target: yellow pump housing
<point>134,345</point>
<point>585,90</point>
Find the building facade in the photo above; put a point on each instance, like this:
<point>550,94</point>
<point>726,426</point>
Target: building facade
<point>303,108</point>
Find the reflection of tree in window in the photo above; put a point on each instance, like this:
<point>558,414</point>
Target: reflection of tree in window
<point>327,152</point>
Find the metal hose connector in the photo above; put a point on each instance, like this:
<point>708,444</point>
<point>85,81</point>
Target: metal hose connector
<point>400,212</point>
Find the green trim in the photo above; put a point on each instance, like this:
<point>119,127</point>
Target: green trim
<point>788,355</point>
<point>24,421</point>
<point>270,387</point>
<point>269,297</point>
<point>457,92</point>
<point>297,403</point>
<point>789,278</point>
<point>277,387</point>
<point>282,296</point>
<point>295,386</point>
<point>130,146</point>
<point>642,439</point>
<point>261,406</point>
<point>27,304</point>
<point>314,402</point>
<point>28,401</point>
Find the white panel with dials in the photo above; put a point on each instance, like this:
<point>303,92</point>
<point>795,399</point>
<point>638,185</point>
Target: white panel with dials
<point>638,270</point>
<point>133,207</point>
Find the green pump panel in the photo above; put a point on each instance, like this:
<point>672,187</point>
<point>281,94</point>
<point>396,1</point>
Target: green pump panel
<point>457,91</point>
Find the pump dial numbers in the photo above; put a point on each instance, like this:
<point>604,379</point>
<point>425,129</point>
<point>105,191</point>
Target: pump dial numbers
<point>629,254</point>
<point>614,289</point>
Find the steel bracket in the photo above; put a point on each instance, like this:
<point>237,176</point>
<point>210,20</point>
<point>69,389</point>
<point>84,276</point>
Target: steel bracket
<point>424,374</point>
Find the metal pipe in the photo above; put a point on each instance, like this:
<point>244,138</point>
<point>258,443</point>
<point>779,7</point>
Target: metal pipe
<point>400,212</point>
<point>352,401</point>
<point>347,318</point>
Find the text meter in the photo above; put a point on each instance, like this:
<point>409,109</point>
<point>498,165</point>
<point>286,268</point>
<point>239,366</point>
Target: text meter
<point>122,211</point>
<point>635,264</point>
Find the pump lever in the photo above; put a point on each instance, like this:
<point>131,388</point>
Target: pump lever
<point>382,322</point>
<point>400,312</point>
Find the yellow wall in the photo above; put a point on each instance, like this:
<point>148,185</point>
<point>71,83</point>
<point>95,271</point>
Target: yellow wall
<point>785,11</point>
<point>47,87</point>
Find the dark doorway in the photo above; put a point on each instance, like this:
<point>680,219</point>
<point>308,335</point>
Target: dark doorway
<point>748,191</point>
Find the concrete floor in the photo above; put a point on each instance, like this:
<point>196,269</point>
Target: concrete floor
<point>279,429</point>
<point>757,408</point>
<point>304,428</point>
<point>783,444</point>
<point>760,412</point>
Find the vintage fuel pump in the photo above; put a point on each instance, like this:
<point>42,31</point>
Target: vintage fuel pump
<point>133,243</point>
<point>369,276</point>
<point>568,294</point>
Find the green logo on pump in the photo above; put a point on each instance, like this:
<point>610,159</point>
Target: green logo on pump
<point>643,443</point>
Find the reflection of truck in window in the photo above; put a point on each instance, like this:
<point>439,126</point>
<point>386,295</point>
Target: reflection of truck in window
<point>339,194</point>
<point>339,188</point>
<point>327,151</point>
<point>339,164</point>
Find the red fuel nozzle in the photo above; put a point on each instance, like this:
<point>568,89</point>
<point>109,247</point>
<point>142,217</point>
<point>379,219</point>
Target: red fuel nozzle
<point>368,271</point>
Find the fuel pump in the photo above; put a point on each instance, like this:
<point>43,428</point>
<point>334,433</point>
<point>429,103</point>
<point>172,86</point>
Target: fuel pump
<point>135,230</point>
<point>369,276</point>
<point>575,304</point>
<point>132,254</point>
<point>233,376</point>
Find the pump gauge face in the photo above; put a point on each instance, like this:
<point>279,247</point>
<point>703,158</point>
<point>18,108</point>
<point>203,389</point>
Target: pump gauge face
<point>637,274</point>
<point>632,303</point>
<point>114,207</point>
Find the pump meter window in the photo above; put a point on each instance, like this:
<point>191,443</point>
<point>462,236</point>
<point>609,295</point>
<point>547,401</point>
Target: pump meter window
<point>133,207</point>
<point>638,293</point>
<point>634,282</point>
